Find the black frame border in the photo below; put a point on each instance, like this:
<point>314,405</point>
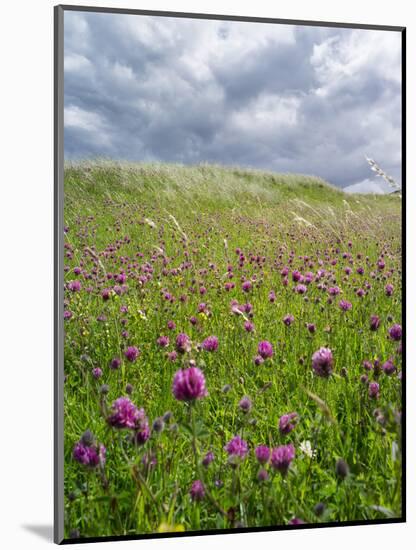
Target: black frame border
<point>58,270</point>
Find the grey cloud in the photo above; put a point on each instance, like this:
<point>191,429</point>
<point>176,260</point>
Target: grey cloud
<point>193,91</point>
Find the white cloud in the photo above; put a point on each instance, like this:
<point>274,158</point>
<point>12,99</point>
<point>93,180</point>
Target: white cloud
<point>87,121</point>
<point>75,63</point>
<point>267,113</point>
<point>341,59</point>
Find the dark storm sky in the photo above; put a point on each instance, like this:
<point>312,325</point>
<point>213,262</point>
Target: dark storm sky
<point>277,97</point>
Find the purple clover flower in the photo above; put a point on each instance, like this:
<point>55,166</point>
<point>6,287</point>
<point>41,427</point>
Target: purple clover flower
<point>246,286</point>
<point>197,491</point>
<point>236,447</point>
<point>97,373</point>
<point>388,289</point>
<point>210,343</point>
<point>282,457</point>
<point>132,353</point>
<point>183,343</point>
<point>141,430</point>
<point>288,422</point>
<point>395,332</point>
<point>248,326</point>
<point>374,322</point>
<point>88,453</point>
<point>374,390</point>
<point>345,305</point>
<point>265,349</point>
<point>124,414</point>
<point>163,341</point>
<point>262,453</point>
<point>189,384</point>
<point>74,286</point>
<point>301,289</point>
<point>388,367</point>
<point>208,458</point>
<point>115,363</point>
<point>245,404</point>
<point>322,362</point>
<point>288,319</point>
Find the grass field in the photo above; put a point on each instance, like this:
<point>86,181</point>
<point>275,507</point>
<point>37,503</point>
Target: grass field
<point>289,294</point>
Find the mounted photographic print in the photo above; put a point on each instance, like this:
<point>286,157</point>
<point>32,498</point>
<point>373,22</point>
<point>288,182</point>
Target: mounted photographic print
<point>229,322</point>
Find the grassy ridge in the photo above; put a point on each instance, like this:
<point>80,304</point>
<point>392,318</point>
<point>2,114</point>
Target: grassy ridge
<point>178,235</point>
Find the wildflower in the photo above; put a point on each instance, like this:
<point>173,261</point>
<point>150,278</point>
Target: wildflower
<point>74,286</point>
<point>245,404</point>
<point>395,332</point>
<point>322,362</point>
<point>172,356</point>
<point>132,353</point>
<point>158,425</point>
<point>189,384</point>
<point>345,305</point>
<point>97,373</point>
<point>183,343</point>
<point>248,326</point>
<point>311,327</point>
<point>142,430</point>
<point>306,448</point>
<point>171,325</point>
<point>282,457</point>
<point>388,289</point>
<point>105,294</point>
<point>124,414</point>
<point>163,341</point>
<point>67,315</point>
<point>388,367</point>
<point>341,469</point>
<point>258,360</point>
<point>246,286</point>
<point>374,390</point>
<point>88,453</point>
<point>288,319</point>
<point>208,458</point>
<point>210,343</point>
<point>287,422</point>
<point>197,491</point>
<point>115,363</point>
<point>374,322</point>
<point>237,447</point>
<point>333,290</point>
<point>262,453</point>
<point>300,289</point>
<point>265,349</point>
<point>296,276</point>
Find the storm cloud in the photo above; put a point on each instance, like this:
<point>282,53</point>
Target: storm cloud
<point>284,98</point>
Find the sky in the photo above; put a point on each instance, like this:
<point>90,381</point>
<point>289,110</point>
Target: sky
<point>285,98</point>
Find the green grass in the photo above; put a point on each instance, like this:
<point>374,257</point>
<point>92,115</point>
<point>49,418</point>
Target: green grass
<point>162,216</point>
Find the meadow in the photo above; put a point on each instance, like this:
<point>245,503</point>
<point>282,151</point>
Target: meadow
<point>232,350</point>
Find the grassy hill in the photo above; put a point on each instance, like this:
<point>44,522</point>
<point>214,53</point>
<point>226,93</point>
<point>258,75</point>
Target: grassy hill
<point>259,271</point>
